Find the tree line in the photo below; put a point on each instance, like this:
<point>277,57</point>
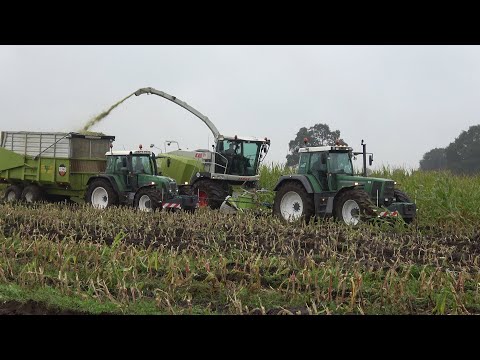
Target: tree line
<point>461,156</point>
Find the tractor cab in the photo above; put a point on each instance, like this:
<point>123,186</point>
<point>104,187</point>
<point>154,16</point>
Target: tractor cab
<point>135,169</point>
<point>239,156</point>
<point>325,163</point>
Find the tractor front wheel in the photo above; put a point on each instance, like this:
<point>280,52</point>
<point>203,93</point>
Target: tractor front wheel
<point>148,199</point>
<point>400,196</point>
<point>292,203</point>
<point>353,206</point>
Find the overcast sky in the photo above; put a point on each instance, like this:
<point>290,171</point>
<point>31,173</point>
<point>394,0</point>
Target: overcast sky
<point>402,100</point>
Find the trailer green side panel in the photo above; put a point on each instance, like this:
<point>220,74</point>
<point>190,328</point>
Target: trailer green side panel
<point>10,160</point>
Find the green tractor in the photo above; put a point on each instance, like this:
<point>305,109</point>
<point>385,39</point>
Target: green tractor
<point>225,177</point>
<point>131,178</point>
<point>325,186</point>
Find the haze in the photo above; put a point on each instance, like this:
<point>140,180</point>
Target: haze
<point>402,100</point>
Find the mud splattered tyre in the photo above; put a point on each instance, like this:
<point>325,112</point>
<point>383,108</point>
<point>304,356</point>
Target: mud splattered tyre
<point>353,206</point>
<point>400,196</point>
<point>100,194</point>
<point>293,203</point>
<point>148,200</point>
<point>32,193</point>
<point>13,193</point>
<point>210,193</point>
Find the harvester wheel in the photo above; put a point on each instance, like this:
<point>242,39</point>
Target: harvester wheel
<point>32,193</point>
<point>13,193</point>
<point>292,203</point>
<point>210,193</point>
<point>148,199</point>
<point>353,206</point>
<point>101,194</point>
<point>400,196</point>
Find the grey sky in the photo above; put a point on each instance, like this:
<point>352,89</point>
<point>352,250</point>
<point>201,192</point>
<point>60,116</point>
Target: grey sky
<point>402,100</point>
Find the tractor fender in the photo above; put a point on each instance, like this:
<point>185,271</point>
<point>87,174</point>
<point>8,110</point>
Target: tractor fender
<point>109,178</point>
<point>294,177</point>
<point>346,188</point>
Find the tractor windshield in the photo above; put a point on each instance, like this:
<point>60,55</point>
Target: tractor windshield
<point>242,156</point>
<point>340,163</point>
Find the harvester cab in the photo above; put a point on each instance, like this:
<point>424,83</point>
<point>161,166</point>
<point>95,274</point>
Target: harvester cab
<point>325,185</point>
<point>225,176</point>
<point>131,177</point>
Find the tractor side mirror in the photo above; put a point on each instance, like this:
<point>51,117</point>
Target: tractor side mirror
<point>370,160</point>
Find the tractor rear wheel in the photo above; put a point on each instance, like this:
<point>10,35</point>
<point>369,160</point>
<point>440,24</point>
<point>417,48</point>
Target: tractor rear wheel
<point>32,193</point>
<point>292,203</point>
<point>353,206</point>
<point>101,194</point>
<point>148,199</point>
<point>13,193</point>
<point>210,193</point>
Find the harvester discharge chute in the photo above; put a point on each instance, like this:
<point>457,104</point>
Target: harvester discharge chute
<point>225,177</point>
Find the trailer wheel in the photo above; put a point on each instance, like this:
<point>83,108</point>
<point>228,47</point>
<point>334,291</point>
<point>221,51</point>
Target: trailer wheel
<point>353,206</point>
<point>32,193</point>
<point>292,203</point>
<point>13,193</point>
<point>147,199</point>
<point>101,194</point>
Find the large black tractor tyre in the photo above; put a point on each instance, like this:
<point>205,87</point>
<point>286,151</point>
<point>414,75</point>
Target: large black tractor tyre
<point>148,200</point>
<point>353,206</point>
<point>211,193</point>
<point>13,193</point>
<point>32,193</point>
<point>100,194</point>
<point>400,196</point>
<point>293,203</point>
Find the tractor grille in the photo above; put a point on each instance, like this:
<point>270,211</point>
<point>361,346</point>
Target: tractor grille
<point>388,190</point>
<point>377,189</point>
<point>173,188</point>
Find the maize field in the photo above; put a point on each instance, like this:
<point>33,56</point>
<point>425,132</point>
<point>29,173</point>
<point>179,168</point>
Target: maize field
<point>74,259</point>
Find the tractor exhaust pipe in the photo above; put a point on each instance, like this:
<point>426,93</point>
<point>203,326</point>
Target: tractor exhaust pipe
<point>364,151</point>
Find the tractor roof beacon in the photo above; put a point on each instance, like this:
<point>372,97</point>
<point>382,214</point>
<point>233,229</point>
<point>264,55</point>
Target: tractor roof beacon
<point>325,185</point>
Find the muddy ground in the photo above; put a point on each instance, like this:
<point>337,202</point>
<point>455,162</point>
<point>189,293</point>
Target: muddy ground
<point>32,308</point>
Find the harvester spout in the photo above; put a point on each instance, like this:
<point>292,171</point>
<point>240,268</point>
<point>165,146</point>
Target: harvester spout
<point>142,91</point>
<point>206,120</point>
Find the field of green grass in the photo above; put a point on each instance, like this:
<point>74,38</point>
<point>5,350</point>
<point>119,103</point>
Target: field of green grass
<point>122,261</point>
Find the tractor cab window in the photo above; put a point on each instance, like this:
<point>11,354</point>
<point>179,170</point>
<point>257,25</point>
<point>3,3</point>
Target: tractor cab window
<point>115,164</point>
<point>318,162</point>
<point>303,163</point>
<point>340,163</point>
<point>142,165</point>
